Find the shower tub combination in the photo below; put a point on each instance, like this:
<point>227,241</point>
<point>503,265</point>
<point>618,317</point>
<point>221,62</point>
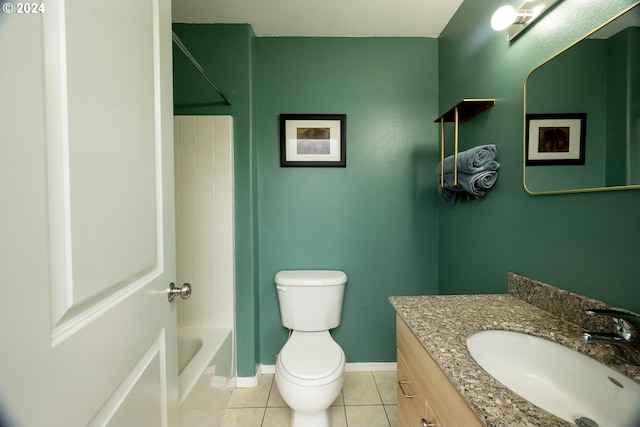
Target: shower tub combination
<point>205,368</point>
<point>203,150</point>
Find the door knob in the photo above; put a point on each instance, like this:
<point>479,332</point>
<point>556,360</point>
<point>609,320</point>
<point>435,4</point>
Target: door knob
<point>184,291</point>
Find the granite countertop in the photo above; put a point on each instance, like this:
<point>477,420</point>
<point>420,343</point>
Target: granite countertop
<point>443,323</point>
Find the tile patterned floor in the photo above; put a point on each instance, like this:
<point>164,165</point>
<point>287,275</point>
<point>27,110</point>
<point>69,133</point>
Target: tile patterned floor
<point>368,399</point>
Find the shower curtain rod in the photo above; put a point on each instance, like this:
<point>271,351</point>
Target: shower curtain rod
<point>186,52</point>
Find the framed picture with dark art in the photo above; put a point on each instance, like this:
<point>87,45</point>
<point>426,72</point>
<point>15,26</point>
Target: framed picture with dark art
<point>313,140</point>
<point>555,139</point>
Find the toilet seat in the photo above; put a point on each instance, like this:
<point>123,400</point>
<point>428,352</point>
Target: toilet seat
<point>311,358</point>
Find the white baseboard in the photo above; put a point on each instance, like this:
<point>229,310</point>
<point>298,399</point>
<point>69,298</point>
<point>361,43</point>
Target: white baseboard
<point>268,369</point>
<point>246,382</point>
<point>371,366</point>
<point>350,367</point>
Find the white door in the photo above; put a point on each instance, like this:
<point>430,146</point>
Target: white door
<point>87,244</point>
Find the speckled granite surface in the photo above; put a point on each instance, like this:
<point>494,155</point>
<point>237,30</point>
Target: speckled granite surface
<point>443,323</point>
<point>563,304</point>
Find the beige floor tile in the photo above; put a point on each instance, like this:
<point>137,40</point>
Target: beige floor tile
<point>338,417</point>
<point>252,397</point>
<point>386,382</point>
<point>277,417</point>
<point>360,389</point>
<point>243,417</point>
<point>392,414</point>
<point>366,416</point>
<point>368,399</point>
<point>198,418</point>
<point>275,399</point>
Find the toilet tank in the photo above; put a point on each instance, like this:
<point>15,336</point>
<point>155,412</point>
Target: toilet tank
<point>310,300</point>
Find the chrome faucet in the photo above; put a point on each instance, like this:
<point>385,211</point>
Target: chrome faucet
<point>625,336</point>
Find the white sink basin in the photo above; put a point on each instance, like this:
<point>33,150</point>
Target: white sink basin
<point>557,379</point>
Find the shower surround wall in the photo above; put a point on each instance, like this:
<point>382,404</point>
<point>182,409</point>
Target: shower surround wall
<point>204,219</point>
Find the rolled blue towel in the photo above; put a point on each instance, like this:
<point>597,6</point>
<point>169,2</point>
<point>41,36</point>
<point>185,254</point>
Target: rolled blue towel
<point>473,160</point>
<point>482,181</point>
<point>476,184</point>
<point>448,195</point>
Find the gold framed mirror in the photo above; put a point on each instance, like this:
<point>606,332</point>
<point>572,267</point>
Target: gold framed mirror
<point>596,79</point>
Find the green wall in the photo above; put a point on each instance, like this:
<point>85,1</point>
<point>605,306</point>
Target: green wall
<point>574,82</point>
<point>592,77</point>
<point>623,110</point>
<point>374,219</point>
<point>379,219</point>
<point>585,243</point>
<point>226,52</point>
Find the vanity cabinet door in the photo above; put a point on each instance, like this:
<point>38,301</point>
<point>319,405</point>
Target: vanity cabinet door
<point>436,400</point>
<point>413,410</point>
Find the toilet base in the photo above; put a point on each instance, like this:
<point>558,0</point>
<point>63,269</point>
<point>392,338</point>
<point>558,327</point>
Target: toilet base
<point>311,419</point>
<point>310,398</point>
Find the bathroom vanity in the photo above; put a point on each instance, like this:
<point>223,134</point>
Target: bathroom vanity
<point>449,388</point>
<point>425,395</point>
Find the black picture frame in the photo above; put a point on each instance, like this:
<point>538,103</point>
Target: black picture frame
<point>313,140</point>
<point>555,139</point>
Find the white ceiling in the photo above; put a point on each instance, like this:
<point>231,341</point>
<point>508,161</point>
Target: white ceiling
<point>324,18</point>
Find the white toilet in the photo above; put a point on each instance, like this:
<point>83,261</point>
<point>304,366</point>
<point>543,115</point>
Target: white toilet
<point>310,366</point>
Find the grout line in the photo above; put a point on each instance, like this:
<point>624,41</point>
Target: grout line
<point>377,387</point>
<point>344,406</point>
<point>273,381</point>
<point>386,413</point>
<point>344,411</point>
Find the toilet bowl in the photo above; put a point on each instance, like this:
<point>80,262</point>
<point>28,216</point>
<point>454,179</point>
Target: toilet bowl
<point>309,377</point>
<point>310,365</point>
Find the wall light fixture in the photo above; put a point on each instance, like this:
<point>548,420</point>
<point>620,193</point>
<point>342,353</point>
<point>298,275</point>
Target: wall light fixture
<point>516,20</point>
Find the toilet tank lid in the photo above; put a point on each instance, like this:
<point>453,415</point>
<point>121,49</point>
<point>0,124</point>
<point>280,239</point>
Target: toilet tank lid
<point>310,278</point>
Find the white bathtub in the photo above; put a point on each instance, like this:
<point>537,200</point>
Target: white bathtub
<point>205,364</point>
